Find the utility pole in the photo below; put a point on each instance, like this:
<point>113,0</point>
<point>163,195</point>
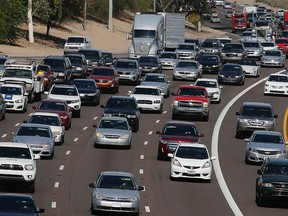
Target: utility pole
<point>154,6</point>
<point>30,22</point>
<point>85,12</point>
<point>110,25</point>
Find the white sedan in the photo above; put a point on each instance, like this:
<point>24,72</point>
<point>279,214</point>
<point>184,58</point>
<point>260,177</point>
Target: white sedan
<point>276,84</point>
<point>149,98</point>
<point>191,160</point>
<point>15,97</point>
<point>212,86</point>
<point>250,67</point>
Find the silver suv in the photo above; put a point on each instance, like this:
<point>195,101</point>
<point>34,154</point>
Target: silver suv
<point>255,116</point>
<point>17,164</point>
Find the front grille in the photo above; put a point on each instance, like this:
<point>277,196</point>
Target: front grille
<point>267,152</point>
<point>112,136</point>
<point>256,123</point>
<point>141,49</point>
<point>144,102</point>
<point>11,167</point>
<point>101,81</point>
<point>185,72</point>
<point>280,186</point>
<point>119,114</point>
<point>192,167</point>
<point>190,104</point>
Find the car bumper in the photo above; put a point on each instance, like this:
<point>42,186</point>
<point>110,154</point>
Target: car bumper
<point>190,111</point>
<point>75,106</point>
<point>254,127</point>
<point>191,76</point>
<point>127,78</point>
<point>112,142</point>
<point>41,151</point>
<point>181,172</point>
<point>259,158</point>
<point>150,107</point>
<point>115,206</point>
<point>88,99</point>
<point>273,193</point>
<point>11,105</point>
<point>230,80</point>
<point>276,90</point>
<point>226,58</point>
<point>271,64</point>
<point>13,176</point>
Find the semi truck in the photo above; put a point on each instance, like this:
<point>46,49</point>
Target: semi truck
<point>155,32</point>
<point>239,22</point>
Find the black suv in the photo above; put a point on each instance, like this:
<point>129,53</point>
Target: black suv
<point>123,106</point>
<point>79,64</point>
<point>272,182</point>
<point>61,68</point>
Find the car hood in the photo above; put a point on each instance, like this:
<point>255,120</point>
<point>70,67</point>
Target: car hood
<point>167,60</point>
<point>117,193</point>
<point>17,214</point>
<point>16,80</point>
<point>14,160</point>
<point>180,138</point>
<point>250,118</point>
<point>148,64</point>
<point>120,110</point>
<point>190,98</point>
<point>191,162</point>
<point>86,90</point>
<point>212,90</point>
<point>130,70</point>
<point>112,131</point>
<point>276,83</point>
<point>96,77</point>
<point>146,97</point>
<point>229,73</point>
<point>275,178</point>
<point>32,139</point>
<point>9,97</point>
<point>157,84</point>
<point>252,48</point>
<point>63,97</point>
<point>61,113</point>
<point>208,63</point>
<point>272,57</point>
<point>267,146</point>
<point>249,67</point>
<point>186,69</point>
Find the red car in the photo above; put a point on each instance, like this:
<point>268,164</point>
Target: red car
<point>282,44</point>
<point>106,78</point>
<point>56,106</point>
<point>173,133</point>
<point>49,77</point>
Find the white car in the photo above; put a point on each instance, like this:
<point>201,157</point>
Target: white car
<point>215,19</point>
<point>212,86</point>
<point>276,84</point>
<point>51,119</point>
<point>219,2</point>
<point>227,5</point>
<point>267,45</point>
<point>15,97</point>
<point>250,67</point>
<point>149,98</point>
<point>191,160</point>
<point>68,93</point>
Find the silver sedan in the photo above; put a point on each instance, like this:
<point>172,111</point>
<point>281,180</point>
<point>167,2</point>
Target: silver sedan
<point>187,70</point>
<point>274,58</point>
<point>113,131</point>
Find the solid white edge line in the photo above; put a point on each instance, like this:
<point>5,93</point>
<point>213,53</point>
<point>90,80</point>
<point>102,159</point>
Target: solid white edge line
<point>150,132</point>
<point>85,128</point>
<point>68,152</point>
<point>75,140</point>
<point>214,150</point>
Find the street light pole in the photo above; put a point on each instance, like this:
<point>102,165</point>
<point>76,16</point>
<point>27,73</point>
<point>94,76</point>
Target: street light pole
<point>110,26</point>
<point>85,12</point>
<point>154,6</point>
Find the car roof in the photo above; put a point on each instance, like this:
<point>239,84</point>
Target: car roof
<point>277,74</point>
<point>155,74</point>
<point>53,100</point>
<point>189,144</point>
<point>34,125</point>
<point>74,55</point>
<point>55,57</point>
<point>191,86</point>
<point>84,80</point>
<point>90,49</point>
<point>14,144</point>
<point>113,118</point>
<point>186,60</point>
<point>257,104</point>
<point>11,85</point>
<point>63,86</point>
<point>277,161</point>
<point>121,97</point>
<point>206,79</point>
<point>173,122</point>
<point>45,114</point>
<point>267,132</point>
<point>147,86</point>
<point>116,173</point>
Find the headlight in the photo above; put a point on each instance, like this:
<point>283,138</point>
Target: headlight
<point>252,150</point>
<point>57,133</point>
<point>164,141</point>
<point>98,196</point>
<point>75,101</point>
<point>107,114</point>
<point>269,122</point>
<point>243,120</point>
<point>176,163</point>
<point>29,167</point>
<point>264,184</point>
<point>237,77</point>
<point>19,101</point>
<point>205,104</point>
<point>125,136</point>
<point>79,68</point>
<point>28,86</point>
<point>157,101</point>
<point>98,134</point>
<point>220,75</point>
<point>64,117</point>
<point>140,68</point>
<point>92,94</point>
<point>215,93</point>
<point>46,145</point>
<point>206,165</point>
<point>175,103</point>
<point>282,152</point>
<point>266,85</point>
<point>131,116</point>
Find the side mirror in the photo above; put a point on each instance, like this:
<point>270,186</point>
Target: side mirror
<point>141,188</point>
<point>37,157</point>
<point>173,93</point>
<point>102,106</point>
<point>237,113</point>
<point>246,139</point>
<point>46,93</point>
<point>25,121</point>
<point>212,158</point>
<point>158,132</point>
<point>94,126</point>
<point>170,155</point>
<point>275,116</point>
<point>259,172</point>
<point>92,185</point>
<point>201,134</point>
<point>41,210</point>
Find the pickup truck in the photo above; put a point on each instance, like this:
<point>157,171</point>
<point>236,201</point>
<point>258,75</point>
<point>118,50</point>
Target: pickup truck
<point>191,101</point>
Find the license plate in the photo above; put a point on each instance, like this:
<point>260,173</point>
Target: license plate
<point>191,172</point>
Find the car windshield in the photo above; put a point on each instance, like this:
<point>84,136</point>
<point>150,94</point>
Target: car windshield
<point>18,205</point>
<point>15,152</point>
<point>273,53</point>
<point>54,63</point>
<point>10,90</point>
<point>91,54</point>
<point>43,68</point>
<point>247,62</point>
<point>208,58</point>
<point>113,124</point>
<point>186,47</point>
<point>191,92</point>
<point>248,34</point>
<point>207,84</point>
<point>256,112</point>
<point>33,131</point>
<point>180,130</point>
<point>103,72</point>
<point>154,78</point>
<point>267,138</point>
<point>233,47</point>
<point>19,73</point>
<point>187,64</point>
<point>64,91</point>
<point>146,91</point>
<point>121,103</point>
<point>75,40</point>
<point>248,44</point>
<point>281,41</point>
<point>76,60</point>
<point>85,84</point>
<point>52,106</point>
<point>126,64</point>
<point>46,120</point>
<point>192,153</point>
<point>210,44</point>
<point>147,60</point>
<point>267,44</point>
<point>168,55</point>
<point>138,33</point>
<point>232,68</point>
<point>116,182</point>
<point>277,78</point>
<point>272,169</point>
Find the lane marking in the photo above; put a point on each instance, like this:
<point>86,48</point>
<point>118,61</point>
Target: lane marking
<point>285,125</point>
<point>146,142</point>
<point>164,111</point>
<point>85,128</point>
<point>4,135</point>
<point>96,117</point>
<point>30,114</point>
<point>17,124</point>
<point>147,209</point>
<point>157,121</point>
<point>53,205</point>
<point>141,171</point>
<point>150,132</point>
<point>68,152</point>
<point>75,140</point>
<point>141,157</point>
<point>56,185</point>
<point>61,167</point>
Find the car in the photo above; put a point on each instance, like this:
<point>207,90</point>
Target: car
<point>168,59</point>
<point>248,36</point>
<point>212,4</point>
<point>5,60</point>
<point>276,84</point>
<point>56,106</point>
<point>15,97</point>
<point>191,161</point>
<point>94,58</point>
<point>212,86</point>
<point>211,46</point>
<point>254,49</point>
<point>187,70</point>
<point>269,46</point>
<point>228,14</point>
<point>174,133</point>
<point>108,58</point>
<point>106,78</point>
<point>264,144</point>
<point>159,80</point>
<point>187,51</point>
<point>128,70</point>
<point>79,63</point>
<point>250,67</point>
<point>227,5</point>
<point>232,52</point>
<point>39,136</point>
<point>88,90</point>
<point>113,189</point>
<point>18,165</point>
<point>272,181</point>
<point>274,58</point>
<point>2,108</point>
<point>196,41</point>
<point>282,44</point>
<point>49,76</point>
<point>219,2</point>
<point>68,93</point>
<point>231,73</point>
<point>113,131</point>
<point>254,116</point>
<point>123,106</point>
<point>149,98</point>
<point>211,63</point>
<point>74,43</point>
<point>191,100</point>
<point>18,204</point>
<point>61,67</point>
<point>225,40</point>
<point>51,119</point>
<point>284,34</point>
<point>149,64</point>
<point>215,19</point>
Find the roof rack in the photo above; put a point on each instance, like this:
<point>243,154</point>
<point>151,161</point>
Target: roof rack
<point>27,64</point>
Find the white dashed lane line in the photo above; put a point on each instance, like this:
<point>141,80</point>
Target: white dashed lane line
<point>16,125</point>
<point>141,171</point>
<point>85,128</point>
<point>61,167</point>
<point>150,132</point>
<point>56,185</point>
<point>157,121</point>
<point>146,143</point>
<point>141,157</point>
<point>75,140</point>
<point>165,112</point>
<point>53,205</point>
<point>68,152</point>
<point>4,135</point>
<point>147,209</point>
<point>96,117</point>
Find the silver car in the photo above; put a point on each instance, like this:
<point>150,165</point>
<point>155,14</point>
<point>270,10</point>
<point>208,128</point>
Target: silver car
<point>187,51</point>
<point>128,70</point>
<point>187,70</point>
<point>250,67</point>
<point>264,144</point>
<point>168,59</point>
<point>115,192</point>
<point>113,131</point>
<point>254,49</point>
<point>274,58</point>
<point>38,136</point>
<point>159,80</point>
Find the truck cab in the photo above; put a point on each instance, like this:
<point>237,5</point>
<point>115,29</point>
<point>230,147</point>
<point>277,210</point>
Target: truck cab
<point>239,22</point>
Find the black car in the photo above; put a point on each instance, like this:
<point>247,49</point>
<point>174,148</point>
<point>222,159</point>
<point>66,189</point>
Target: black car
<point>272,182</point>
<point>150,64</point>
<point>94,58</point>
<point>123,106</point>
<point>18,204</point>
<point>79,64</point>
<point>2,108</point>
<point>210,63</point>
<point>232,74</point>
<point>108,58</point>
<point>61,68</point>
<point>88,90</point>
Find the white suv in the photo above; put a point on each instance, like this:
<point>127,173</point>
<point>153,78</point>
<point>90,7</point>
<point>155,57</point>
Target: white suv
<point>17,164</point>
<point>74,43</point>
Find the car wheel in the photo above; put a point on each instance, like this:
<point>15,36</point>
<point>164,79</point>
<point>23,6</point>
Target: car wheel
<point>52,155</point>
<point>159,154</point>
<point>259,200</point>
<point>160,110</point>
<point>246,160</point>
<point>31,98</point>
<point>135,128</point>
<point>62,140</point>
<point>174,116</point>
<point>172,178</point>
<point>238,135</point>
<point>93,212</point>
<point>206,118</point>
<point>31,187</point>
<point>77,113</point>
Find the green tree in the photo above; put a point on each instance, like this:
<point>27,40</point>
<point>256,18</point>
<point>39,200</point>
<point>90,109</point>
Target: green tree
<point>12,14</point>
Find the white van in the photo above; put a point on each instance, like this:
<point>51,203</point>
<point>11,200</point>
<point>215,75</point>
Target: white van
<point>74,43</point>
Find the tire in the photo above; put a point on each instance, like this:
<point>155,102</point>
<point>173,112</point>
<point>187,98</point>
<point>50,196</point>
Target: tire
<point>77,113</point>
<point>259,200</point>
<point>238,135</point>
<point>159,154</point>
<point>52,155</point>
<point>62,140</point>
<point>135,128</point>
<point>31,187</point>
<point>161,110</point>
<point>93,212</point>
<point>247,161</point>
<point>206,118</point>
<point>174,116</point>
<point>172,178</point>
